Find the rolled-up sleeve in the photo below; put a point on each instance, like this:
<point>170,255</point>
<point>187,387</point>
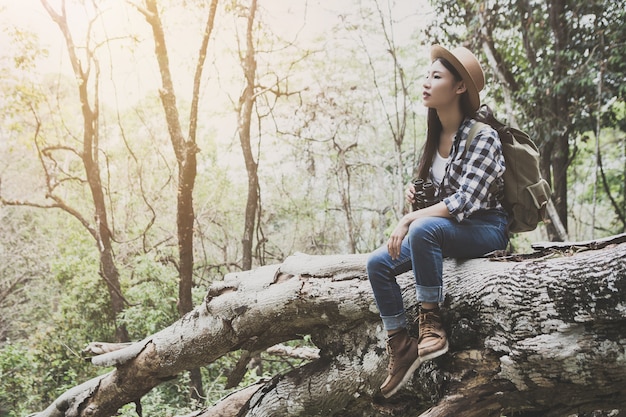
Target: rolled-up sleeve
<point>474,179</point>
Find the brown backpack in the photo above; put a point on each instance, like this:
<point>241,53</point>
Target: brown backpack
<point>526,193</point>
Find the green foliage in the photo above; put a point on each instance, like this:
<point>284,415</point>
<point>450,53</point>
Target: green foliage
<point>597,195</point>
<point>79,318</point>
<point>36,371</point>
<point>168,399</point>
<point>18,374</point>
<point>77,269</point>
<point>151,291</point>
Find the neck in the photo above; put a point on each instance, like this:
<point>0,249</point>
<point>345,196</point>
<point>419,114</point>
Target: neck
<point>450,119</point>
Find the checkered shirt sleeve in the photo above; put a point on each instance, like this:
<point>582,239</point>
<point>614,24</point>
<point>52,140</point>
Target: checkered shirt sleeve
<point>473,179</point>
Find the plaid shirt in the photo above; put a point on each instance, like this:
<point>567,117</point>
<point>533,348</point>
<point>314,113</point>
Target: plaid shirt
<point>473,181</point>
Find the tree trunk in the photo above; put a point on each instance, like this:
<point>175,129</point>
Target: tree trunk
<point>246,105</point>
<point>559,131</point>
<point>543,336</point>
<point>342,170</point>
<point>185,151</point>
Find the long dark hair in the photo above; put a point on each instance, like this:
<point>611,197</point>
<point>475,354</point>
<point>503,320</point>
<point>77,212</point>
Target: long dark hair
<point>434,126</point>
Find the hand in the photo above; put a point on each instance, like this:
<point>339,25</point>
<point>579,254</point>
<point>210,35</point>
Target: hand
<point>410,194</point>
<point>394,244</point>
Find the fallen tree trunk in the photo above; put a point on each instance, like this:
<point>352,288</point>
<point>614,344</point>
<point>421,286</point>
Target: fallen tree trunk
<point>544,337</point>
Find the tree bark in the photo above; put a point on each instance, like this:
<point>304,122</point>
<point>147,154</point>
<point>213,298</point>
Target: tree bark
<point>544,335</point>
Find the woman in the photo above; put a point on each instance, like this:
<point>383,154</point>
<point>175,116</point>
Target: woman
<point>468,221</point>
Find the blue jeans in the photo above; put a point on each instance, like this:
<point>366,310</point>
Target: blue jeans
<point>428,241</point>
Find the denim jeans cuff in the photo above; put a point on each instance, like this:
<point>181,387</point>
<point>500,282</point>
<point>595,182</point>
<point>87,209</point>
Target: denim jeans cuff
<point>394,322</point>
<point>429,294</point>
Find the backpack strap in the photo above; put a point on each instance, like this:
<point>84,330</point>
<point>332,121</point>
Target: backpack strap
<point>476,127</point>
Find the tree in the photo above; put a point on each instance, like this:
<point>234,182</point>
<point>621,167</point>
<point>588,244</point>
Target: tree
<point>86,71</point>
<point>334,122</point>
<point>395,99</point>
<point>244,109</point>
<point>546,57</point>
<point>543,335</point>
<point>185,150</point>
<point>267,60</point>
<point>354,122</point>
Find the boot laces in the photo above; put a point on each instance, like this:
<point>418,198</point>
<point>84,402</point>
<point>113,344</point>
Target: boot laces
<point>429,325</point>
<point>391,356</point>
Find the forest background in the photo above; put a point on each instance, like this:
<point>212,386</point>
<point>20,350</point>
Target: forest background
<point>148,148</point>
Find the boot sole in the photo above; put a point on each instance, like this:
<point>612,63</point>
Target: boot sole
<point>406,377</point>
<point>435,354</point>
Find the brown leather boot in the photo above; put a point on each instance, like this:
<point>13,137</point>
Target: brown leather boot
<point>433,341</point>
<point>403,361</point>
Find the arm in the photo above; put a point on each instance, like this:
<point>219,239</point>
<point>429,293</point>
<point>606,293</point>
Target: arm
<point>471,178</point>
<point>395,240</point>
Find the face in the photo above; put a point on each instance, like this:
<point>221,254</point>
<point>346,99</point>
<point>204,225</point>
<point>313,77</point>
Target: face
<point>440,88</point>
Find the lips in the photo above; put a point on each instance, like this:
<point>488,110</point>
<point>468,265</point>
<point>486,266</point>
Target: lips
<point>425,95</point>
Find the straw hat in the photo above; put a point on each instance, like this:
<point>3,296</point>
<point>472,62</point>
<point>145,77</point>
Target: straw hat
<point>464,61</point>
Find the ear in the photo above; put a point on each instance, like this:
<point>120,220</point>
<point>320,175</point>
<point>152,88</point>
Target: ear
<point>461,88</point>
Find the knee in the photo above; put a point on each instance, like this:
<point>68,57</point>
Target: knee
<point>372,263</point>
<point>418,229</point>
<point>423,231</point>
<point>375,263</point>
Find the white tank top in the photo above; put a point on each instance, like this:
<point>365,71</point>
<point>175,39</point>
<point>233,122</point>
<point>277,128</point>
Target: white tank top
<point>439,168</point>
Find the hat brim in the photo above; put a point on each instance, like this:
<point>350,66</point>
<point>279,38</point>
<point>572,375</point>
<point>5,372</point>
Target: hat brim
<point>438,51</point>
